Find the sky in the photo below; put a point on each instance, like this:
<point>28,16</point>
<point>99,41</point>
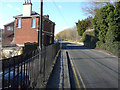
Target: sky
<point>64,14</point>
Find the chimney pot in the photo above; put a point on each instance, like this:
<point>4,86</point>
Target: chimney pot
<point>25,2</point>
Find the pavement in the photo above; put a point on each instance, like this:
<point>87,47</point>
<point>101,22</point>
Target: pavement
<point>81,67</point>
<point>59,77</point>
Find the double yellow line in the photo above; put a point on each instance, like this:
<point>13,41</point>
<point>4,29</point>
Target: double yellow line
<point>80,78</point>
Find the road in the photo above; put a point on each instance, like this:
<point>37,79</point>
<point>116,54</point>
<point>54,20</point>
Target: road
<point>92,68</point>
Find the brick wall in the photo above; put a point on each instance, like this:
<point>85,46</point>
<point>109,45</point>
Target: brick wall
<point>8,35</point>
<point>28,34</point>
<point>49,27</point>
<point>8,32</point>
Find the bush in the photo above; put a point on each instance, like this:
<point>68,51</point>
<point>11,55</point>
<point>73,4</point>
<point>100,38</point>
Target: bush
<point>90,41</point>
<point>114,48</point>
<point>101,45</point>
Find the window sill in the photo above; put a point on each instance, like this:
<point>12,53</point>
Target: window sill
<point>33,27</point>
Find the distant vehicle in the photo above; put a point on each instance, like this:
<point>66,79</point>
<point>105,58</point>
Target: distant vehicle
<point>55,41</point>
<point>13,82</point>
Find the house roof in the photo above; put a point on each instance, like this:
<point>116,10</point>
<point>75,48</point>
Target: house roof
<point>9,23</point>
<point>34,14</point>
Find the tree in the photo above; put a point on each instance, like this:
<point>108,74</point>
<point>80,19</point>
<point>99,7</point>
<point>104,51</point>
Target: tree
<point>101,20</point>
<point>113,33</point>
<point>83,25</point>
<point>67,34</point>
<point>117,20</point>
<point>93,8</point>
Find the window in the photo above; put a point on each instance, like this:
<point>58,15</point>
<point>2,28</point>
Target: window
<point>10,28</point>
<point>51,28</point>
<point>19,23</point>
<point>33,23</point>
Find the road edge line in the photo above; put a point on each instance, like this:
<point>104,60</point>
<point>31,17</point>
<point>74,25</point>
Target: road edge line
<point>78,74</point>
<point>77,81</point>
<point>81,78</point>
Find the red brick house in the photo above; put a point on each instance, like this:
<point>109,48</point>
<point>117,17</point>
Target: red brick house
<point>26,27</point>
<point>8,37</point>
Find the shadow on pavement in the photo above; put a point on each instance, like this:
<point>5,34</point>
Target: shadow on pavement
<point>54,79</point>
<point>72,46</point>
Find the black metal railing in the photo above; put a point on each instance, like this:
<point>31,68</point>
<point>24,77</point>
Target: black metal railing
<point>29,69</point>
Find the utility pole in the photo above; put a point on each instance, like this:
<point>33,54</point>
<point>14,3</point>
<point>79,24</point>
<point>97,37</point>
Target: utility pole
<point>40,35</point>
<point>41,26</point>
<point>1,43</point>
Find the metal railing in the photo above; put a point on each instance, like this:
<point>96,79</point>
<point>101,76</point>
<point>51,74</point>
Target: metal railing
<point>30,69</point>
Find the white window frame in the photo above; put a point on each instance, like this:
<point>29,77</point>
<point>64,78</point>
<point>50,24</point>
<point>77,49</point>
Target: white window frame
<point>34,23</point>
<point>19,23</point>
<point>10,28</point>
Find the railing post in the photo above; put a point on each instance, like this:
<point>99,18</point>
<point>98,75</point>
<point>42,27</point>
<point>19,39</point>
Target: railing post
<point>3,75</point>
<point>44,62</point>
<point>24,71</point>
<point>14,72</point>
<point>29,70</point>
<point>17,71</point>
<point>21,69</point>
<point>9,72</point>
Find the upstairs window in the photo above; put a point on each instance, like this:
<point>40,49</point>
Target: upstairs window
<point>19,23</point>
<point>10,28</point>
<point>52,28</point>
<point>33,23</point>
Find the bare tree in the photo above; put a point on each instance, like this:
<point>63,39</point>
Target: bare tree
<point>93,7</point>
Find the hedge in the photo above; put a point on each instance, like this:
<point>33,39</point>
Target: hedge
<point>114,47</point>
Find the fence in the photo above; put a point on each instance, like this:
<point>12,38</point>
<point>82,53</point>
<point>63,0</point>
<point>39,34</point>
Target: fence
<point>27,70</point>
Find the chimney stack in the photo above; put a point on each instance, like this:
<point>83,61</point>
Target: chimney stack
<point>46,16</point>
<point>27,8</point>
<point>25,1</point>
